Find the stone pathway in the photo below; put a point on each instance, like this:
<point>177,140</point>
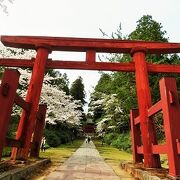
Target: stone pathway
<point>86,164</point>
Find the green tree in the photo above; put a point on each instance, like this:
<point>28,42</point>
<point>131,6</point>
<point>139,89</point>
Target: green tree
<point>148,29</point>
<point>103,84</point>
<point>78,93</point>
<point>59,80</point>
<point>151,30</point>
<point>121,84</point>
<point>77,90</point>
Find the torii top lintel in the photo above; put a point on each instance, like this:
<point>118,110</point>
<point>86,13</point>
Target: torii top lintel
<point>91,47</point>
<point>85,44</point>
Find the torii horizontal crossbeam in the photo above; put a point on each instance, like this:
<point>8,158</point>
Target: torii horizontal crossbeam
<point>85,44</point>
<point>104,66</point>
<point>91,47</point>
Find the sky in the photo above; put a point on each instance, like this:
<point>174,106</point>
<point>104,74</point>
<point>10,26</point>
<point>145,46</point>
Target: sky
<point>83,18</point>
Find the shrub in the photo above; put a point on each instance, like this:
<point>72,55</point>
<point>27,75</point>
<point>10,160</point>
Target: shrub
<point>108,138</point>
<point>59,133</point>
<point>6,152</point>
<point>123,142</point>
<point>64,136</point>
<point>52,139</point>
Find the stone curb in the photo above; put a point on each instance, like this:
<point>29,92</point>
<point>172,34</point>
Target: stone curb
<point>139,173</point>
<point>22,173</point>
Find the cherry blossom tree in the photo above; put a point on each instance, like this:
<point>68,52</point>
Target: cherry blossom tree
<point>61,107</point>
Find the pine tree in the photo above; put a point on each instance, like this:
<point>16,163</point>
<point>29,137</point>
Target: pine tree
<point>78,93</point>
<point>77,90</point>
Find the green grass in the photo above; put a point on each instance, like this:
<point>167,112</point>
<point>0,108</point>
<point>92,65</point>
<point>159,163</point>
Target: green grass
<point>113,156</point>
<point>6,152</point>
<point>57,155</point>
<point>164,161</point>
<point>62,152</point>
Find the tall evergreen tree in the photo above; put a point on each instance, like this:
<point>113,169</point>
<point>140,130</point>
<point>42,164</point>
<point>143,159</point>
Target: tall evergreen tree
<point>148,29</point>
<point>78,93</point>
<point>123,84</point>
<point>103,84</point>
<point>77,90</point>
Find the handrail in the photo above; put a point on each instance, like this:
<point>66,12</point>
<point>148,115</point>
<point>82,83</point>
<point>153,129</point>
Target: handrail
<point>137,120</point>
<point>12,143</point>
<point>22,103</point>
<point>159,149</point>
<point>155,108</point>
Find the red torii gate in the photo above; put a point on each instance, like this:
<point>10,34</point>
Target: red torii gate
<point>138,50</point>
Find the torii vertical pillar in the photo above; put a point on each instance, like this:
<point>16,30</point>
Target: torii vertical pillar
<point>171,114</point>
<point>135,135</point>
<point>148,133</point>
<point>38,132</point>
<point>27,121</point>
<point>8,89</point>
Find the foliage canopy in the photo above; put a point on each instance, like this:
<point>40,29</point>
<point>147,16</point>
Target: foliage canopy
<point>115,93</point>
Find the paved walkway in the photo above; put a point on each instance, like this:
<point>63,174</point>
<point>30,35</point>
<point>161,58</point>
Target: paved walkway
<point>86,164</point>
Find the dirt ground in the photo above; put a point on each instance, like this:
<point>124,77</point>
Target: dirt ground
<point>42,172</point>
